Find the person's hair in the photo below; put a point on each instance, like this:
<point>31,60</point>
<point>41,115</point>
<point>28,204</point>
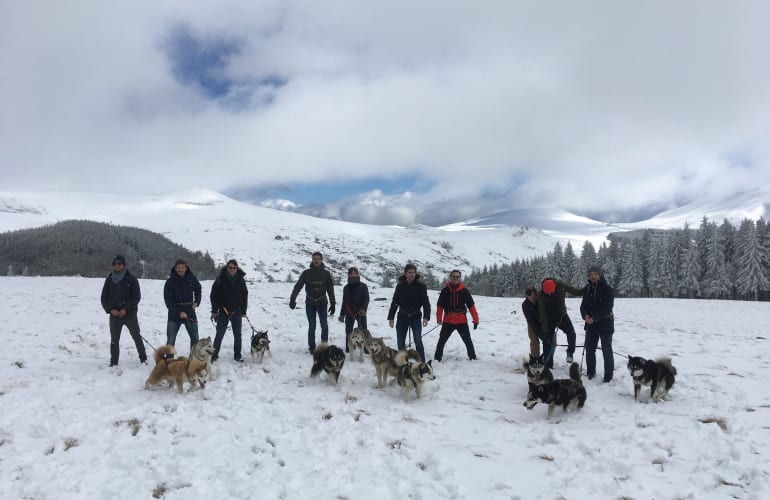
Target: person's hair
<point>352,270</point>
<point>232,262</point>
<point>455,271</point>
<point>318,254</point>
<point>179,261</point>
<point>410,266</point>
<point>529,291</point>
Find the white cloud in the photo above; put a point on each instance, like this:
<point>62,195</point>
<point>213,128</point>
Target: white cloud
<point>619,105</point>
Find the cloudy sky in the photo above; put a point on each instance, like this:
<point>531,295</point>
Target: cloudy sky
<point>389,112</point>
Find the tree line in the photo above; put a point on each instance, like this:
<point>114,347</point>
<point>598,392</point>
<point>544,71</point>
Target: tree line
<point>713,261</point>
<point>86,248</point>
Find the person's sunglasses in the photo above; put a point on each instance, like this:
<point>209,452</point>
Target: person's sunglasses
<point>232,267</point>
<point>455,277</point>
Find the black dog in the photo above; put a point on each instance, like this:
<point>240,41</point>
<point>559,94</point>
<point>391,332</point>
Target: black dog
<point>658,374</point>
<point>561,392</point>
<point>537,370</point>
<point>328,358</point>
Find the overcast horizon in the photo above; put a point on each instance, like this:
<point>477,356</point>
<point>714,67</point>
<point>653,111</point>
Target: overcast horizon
<point>392,114</point>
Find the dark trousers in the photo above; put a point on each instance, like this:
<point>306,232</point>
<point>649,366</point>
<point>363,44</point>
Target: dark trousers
<point>349,321</point>
<point>446,331</point>
<point>566,326</point>
<point>591,342</point>
<point>311,310</point>
<point>403,323</point>
<point>172,328</point>
<point>116,325</point>
<point>235,320</point>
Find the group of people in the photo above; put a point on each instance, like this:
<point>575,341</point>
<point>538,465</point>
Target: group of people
<point>410,308</point>
<point>182,294</point>
<point>545,311</point>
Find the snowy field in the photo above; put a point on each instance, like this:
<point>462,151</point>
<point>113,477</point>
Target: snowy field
<point>70,427</point>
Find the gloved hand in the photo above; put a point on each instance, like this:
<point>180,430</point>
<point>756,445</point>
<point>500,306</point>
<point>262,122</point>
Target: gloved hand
<point>331,310</point>
<point>475,325</point>
<point>214,315</point>
<point>292,304</point>
<point>341,319</point>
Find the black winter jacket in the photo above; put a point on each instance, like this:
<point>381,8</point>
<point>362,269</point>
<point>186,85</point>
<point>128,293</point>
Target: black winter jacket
<point>355,297</point>
<point>180,292</point>
<point>232,295</point>
<point>532,315</point>
<point>124,295</point>
<point>598,301</point>
<point>409,298</point>
<point>318,284</point>
<point>552,307</point>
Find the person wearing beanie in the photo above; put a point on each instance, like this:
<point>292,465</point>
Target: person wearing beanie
<point>454,302</point>
<point>318,283</point>
<point>596,309</point>
<point>229,301</point>
<point>553,314</point>
<point>355,302</point>
<point>120,299</point>
<point>182,294</point>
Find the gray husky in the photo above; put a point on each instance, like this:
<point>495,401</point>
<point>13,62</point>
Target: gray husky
<point>359,339</point>
<point>413,375</point>
<point>202,351</point>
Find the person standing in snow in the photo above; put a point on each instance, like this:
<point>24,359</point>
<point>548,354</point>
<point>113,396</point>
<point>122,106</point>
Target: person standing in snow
<point>596,309</point>
<point>454,302</point>
<point>355,302</point>
<point>229,300</point>
<point>410,299</point>
<point>120,299</point>
<point>553,314</point>
<point>182,294</point>
<point>318,283</point>
<point>532,315</point>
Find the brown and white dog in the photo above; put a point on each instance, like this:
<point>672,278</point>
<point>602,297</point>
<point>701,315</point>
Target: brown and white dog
<point>387,360</point>
<point>176,370</point>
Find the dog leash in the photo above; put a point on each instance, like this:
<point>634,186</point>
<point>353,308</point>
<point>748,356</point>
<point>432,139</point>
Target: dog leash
<point>253,330</point>
<point>426,333</point>
<point>147,342</point>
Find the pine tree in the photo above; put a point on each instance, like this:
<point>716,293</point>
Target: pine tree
<point>631,281</point>
<point>749,257</point>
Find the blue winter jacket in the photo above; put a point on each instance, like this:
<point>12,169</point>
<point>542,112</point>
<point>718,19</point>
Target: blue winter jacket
<point>180,292</point>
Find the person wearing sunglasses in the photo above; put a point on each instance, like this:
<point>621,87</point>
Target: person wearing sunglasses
<point>454,302</point>
<point>120,299</point>
<point>229,300</point>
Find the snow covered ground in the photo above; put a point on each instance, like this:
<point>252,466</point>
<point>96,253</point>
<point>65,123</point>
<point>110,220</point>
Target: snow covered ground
<point>70,427</point>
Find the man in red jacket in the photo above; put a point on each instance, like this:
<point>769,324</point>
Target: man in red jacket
<point>454,302</point>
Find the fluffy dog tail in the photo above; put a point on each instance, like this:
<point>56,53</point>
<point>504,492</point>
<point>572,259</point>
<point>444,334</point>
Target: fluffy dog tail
<point>667,363</point>
<point>163,352</point>
<point>401,358</point>
<point>574,372</point>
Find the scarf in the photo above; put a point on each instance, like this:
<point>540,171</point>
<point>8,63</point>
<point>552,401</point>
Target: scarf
<point>118,277</point>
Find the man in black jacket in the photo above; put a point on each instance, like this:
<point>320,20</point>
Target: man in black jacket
<point>409,297</point>
<point>355,302</point>
<point>596,309</point>
<point>318,284</point>
<point>120,299</point>
<point>553,315</point>
<point>229,300</point>
<point>182,294</point>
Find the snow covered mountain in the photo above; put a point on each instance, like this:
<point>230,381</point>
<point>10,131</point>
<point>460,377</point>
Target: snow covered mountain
<point>274,244</point>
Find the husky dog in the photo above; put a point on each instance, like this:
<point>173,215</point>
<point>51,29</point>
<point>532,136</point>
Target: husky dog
<point>561,392</point>
<point>538,372</point>
<point>176,370</point>
<point>658,374</point>
<point>202,351</point>
<point>328,358</point>
<point>387,360</point>
<point>260,345</point>
<point>359,339</point>
<point>413,375</point>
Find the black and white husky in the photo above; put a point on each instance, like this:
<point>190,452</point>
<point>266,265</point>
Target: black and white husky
<point>538,372</point>
<point>412,376</point>
<point>560,392</point>
<point>328,358</point>
<point>260,345</point>
<point>658,374</point>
